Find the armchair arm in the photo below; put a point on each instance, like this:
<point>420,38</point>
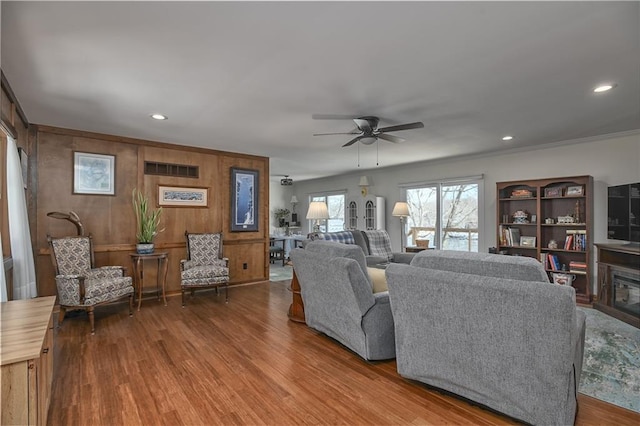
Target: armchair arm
<point>226,261</point>
<point>183,264</point>
<point>71,289</point>
<point>107,272</point>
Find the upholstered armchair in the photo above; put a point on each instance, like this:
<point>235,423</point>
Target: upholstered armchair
<point>80,284</point>
<point>204,266</point>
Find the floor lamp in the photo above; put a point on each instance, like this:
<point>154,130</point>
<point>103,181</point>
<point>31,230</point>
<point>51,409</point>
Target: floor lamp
<point>401,210</point>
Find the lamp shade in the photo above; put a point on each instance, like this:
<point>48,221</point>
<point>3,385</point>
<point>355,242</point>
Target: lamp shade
<point>364,181</point>
<point>317,210</point>
<point>400,209</point>
<point>294,199</point>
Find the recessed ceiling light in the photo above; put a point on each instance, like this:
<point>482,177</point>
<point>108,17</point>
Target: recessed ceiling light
<point>604,88</point>
<point>507,138</point>
<point>159,117</point>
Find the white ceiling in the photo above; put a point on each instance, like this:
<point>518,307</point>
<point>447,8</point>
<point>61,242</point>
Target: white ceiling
<point>247,76</point>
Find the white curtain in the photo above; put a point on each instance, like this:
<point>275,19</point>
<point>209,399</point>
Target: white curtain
<point>3,282</point>
<point>24,273</point>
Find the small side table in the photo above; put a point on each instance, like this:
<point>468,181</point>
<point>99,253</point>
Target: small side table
<point>162,265</point>
<point>416,249</point>
<point>296,310</point>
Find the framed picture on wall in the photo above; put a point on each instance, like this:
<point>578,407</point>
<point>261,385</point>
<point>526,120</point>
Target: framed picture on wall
<point>179,196</point>
<point>244,200</point>
<point>94,174</point>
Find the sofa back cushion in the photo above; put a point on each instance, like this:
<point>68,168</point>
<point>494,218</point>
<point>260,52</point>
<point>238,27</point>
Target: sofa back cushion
<point>485,264</point>
<point>344,237</point>
<point>331,250</point>
<point>379,243</point>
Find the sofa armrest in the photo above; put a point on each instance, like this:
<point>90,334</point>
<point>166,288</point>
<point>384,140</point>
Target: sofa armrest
<point>578,343</point>
<point>403,257</point>
<point>375,260</point>
<point>379,330</point>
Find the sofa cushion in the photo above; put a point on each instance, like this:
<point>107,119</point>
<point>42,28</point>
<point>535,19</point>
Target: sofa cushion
<point>344,237</point>
<point>332,249</point>
<point>378,279</point>
<point>485,264</point>
<point>379,243</point>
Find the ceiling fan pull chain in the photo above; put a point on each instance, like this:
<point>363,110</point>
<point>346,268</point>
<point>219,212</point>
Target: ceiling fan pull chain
<point>358,155</point>
<point>377,151</point>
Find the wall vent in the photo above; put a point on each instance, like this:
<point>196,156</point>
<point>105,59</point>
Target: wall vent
<point>168,169</point>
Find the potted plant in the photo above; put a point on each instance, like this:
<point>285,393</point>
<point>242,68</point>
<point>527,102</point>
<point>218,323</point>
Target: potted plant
<point>147,220</point>
<point>280,215</point>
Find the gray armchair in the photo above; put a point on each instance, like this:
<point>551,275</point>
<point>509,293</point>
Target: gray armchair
<point>204,267</point>
<point>339,300</point>
<point>80,284</point>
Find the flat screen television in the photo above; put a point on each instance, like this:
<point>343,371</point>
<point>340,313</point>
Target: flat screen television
<point>623,212</point>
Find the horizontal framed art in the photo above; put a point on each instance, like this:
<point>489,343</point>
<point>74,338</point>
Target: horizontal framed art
<point>94,174</point>
<point>575,191</point>
<point>553,192</point>
<point>180,196</point>
<point>528,241</point>
<point>244,200</point>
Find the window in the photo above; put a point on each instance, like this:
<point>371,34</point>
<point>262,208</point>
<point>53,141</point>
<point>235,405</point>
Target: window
<point>336,206</point>
<point>445,213</point>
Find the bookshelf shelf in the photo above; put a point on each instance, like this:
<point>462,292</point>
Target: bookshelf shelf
<point>549,202</point>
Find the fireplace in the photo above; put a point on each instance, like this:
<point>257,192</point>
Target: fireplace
<point>626,292</point>
<point>619,282</point>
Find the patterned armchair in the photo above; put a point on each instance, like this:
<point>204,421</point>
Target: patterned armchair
<point>204,267</point>
<point>81,285</point>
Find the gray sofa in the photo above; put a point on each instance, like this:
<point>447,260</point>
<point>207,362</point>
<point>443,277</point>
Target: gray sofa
<point>491,329</point>
<point>375,244</point>
<point>339,301</point>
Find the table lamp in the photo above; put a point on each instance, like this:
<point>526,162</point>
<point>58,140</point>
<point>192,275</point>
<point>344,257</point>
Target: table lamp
<point>317,211</point>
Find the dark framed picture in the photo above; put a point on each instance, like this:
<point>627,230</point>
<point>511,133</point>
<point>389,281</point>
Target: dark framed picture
<point>244,200</point>
<point>94,174</point>
<point>553,192</point>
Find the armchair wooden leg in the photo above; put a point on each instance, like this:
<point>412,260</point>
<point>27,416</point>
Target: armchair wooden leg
<point>63,312</point>
<point>131,305</point>
<point>91,319</point>
<point>183,297</point>
<point>226,291</point>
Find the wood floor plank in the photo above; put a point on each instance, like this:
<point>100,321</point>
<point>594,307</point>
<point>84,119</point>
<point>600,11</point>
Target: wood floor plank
<point>243,363</point>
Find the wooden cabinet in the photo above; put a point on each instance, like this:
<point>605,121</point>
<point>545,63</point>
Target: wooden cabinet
<point>365,213</point>
<point>550,220</point>
<point>26,355</point>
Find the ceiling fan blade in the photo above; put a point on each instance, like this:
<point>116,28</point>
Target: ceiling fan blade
<point>344,133</point>
<point>390,138</point>
<point>416,125</point>
<point>352,141</point>
<point>333,117</point>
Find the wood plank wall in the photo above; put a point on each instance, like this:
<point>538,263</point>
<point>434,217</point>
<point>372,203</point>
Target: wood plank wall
<point>110,219</point>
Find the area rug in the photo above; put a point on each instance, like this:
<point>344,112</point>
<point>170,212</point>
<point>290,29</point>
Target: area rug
<point>611,365</point>
<point>277,272</point>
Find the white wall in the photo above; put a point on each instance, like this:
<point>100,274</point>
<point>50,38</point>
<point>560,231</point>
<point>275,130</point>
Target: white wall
<point>611,160</point>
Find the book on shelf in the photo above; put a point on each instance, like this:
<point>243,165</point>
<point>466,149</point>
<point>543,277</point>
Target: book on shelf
<point>554,263</point>
<point>576,240</point>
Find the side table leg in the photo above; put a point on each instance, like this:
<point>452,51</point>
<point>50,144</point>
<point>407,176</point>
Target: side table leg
<point>165,263</point>
<point>138,273</point>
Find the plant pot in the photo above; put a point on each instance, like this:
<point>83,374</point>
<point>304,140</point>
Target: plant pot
<point>145,248</point>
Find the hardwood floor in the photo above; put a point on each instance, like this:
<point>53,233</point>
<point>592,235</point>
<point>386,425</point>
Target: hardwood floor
<point>242,363</point>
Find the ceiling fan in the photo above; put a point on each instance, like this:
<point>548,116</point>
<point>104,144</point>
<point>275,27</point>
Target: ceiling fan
<point>367,130</point>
